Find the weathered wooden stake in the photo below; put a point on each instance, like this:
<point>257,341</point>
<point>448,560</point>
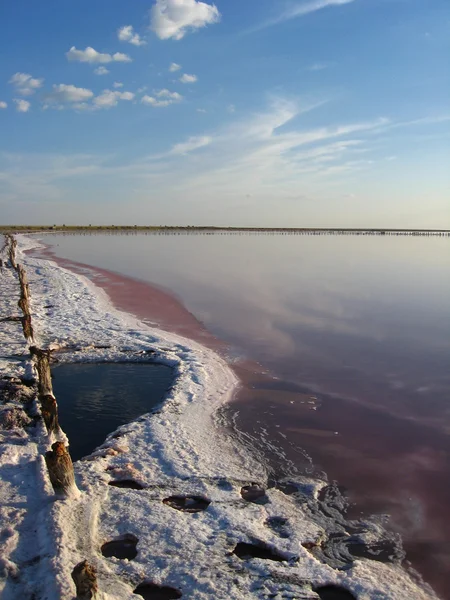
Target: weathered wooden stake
<point>12,250</point>
<point>27,327</point>
<point>60,469</point>
<point>49,409</point>
<point>85,578</point>
<point>24,303</point>
<point>43,369</point>
<point>23,281</point>
<point>49,405</point>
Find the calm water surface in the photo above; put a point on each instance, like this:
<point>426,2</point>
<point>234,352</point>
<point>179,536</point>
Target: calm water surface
<point>96,399</point>
<point>364,322</point>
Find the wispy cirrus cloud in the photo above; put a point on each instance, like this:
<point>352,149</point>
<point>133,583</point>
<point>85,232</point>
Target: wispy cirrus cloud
<point>90,55</point>
<point>318,66</point>
<point>265,154</point>
<point>193,143</point>
<point>297,10</point>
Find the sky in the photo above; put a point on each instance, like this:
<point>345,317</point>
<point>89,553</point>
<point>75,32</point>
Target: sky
<point>271,113</point>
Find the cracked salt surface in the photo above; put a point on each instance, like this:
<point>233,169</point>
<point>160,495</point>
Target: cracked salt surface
<point>178,452</point>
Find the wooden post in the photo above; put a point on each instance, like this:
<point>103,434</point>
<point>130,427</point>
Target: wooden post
<point>49,405</point>
<point>23,281</point>
<point>85,578</point>
<point>24,303</point>
<point>12,250</point>
<point>43,369</point>
<point>49,408</point>
<point>27,327</point>
<point>60,469</point>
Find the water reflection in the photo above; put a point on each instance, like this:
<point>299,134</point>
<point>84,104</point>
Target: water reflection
<point>362,322</point>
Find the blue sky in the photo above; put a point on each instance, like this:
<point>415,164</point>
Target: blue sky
<point>249,112</point>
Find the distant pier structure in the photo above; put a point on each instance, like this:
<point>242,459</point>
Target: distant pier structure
<point>210,230</point>
<point>296,231</point>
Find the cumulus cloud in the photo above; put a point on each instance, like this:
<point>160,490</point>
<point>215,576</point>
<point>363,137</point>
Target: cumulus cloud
<point>3,105</point>
<point>163,98</point>
<point>186,78</point>
<point>174,67</point>
<point>117,84</point>
<point>174,18</point>
<point>127,34</point>
<point>193,143</point>
<point>22,106</point>
<point>101,71</point>
<point>110,98</point>
<point>63,93</point>
<point>89,55</point>
<point>25,84</point>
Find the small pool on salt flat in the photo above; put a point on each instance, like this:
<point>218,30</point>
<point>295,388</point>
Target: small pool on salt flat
<point>95,399</point>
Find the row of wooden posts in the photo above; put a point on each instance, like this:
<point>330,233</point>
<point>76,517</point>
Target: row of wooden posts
<point>58,460</point>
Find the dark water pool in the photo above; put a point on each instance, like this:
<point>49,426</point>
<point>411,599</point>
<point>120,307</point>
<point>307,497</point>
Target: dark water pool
<point>94,399</point>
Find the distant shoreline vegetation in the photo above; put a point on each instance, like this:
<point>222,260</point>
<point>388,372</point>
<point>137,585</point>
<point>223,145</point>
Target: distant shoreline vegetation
<point>215,229</point>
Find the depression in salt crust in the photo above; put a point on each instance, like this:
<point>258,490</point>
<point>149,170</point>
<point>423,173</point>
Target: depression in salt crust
<point>171,505</point>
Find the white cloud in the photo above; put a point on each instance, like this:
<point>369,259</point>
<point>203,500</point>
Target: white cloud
<point>317,67</point>
<point>89,55</point>
<point>193,143</point>
<point>174,67</point>
<point>109,98</point>
<point>163,98</point>
<point>101,71</point>
<point>231,109</point>
<point>151,101</point>
<point>25,84</point>
<point>117,84</point>
<point>201,110</point>
<point>68,93</point>
<point>186,78</point>
<point>165,93</point>
<point>127,34</point>
<point>174,18</point>
<point>269,155</point>
<point>22,106</point>
<point>300,9</point>
<point>3,105</point>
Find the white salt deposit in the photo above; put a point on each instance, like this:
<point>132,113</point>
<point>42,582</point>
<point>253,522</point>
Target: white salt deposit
<point>181,450</point>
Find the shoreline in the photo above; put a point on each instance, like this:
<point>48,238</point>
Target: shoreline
<point>171,454</point>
